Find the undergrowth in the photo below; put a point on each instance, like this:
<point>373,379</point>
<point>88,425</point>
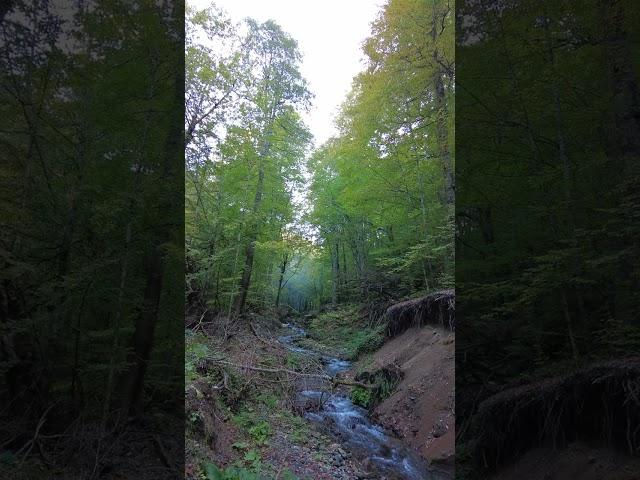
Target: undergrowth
<point>344,331</point>
<point>256,413</point>
<point>212,472</point>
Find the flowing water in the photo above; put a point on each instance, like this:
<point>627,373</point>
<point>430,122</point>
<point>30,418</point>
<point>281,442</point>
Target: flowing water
<point>351,423</point>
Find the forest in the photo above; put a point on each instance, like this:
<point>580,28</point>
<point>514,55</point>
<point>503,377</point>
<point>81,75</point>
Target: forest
<point>193,285</point>
<point>546,247</point>
<point>378,209</point>
<point>91,239</point>
<point>283,233</point>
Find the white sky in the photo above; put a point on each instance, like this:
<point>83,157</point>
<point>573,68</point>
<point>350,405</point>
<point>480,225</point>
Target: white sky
<point>329,33</point>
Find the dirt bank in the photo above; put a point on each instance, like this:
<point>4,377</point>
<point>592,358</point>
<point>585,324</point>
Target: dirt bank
<point>421,410</point>
<point>577,461</point>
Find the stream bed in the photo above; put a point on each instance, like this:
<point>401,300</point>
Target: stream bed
<point>350,423</point>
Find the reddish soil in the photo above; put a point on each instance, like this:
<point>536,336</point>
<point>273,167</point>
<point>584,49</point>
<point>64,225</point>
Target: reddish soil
<point>577,461</point>
<point>421,411</point>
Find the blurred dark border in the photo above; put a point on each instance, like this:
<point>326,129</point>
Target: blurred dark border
<point>548,229</point>
<point>91,239</point>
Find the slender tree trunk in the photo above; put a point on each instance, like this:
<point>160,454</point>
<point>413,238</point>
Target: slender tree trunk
<point>154,264</point>
<point>442,131</point>
<point>334,272</point>
<point>250,249</point>
<point>283,269</point>
<point>144,330</point>
<point>569,321</point>
<point>344,264</point>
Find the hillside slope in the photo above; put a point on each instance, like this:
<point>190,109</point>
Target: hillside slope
<point>421,410</point>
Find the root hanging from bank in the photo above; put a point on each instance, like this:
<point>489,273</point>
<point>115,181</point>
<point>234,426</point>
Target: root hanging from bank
<point>435,309</point>
<point>599,403</point>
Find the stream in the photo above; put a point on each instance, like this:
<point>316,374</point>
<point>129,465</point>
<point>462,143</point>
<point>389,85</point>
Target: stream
<point>351,424</point>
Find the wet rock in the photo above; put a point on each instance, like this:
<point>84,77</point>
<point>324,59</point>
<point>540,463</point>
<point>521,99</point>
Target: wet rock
<point>439,429</point>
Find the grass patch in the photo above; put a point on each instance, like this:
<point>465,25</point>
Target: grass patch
<point>343,331</point>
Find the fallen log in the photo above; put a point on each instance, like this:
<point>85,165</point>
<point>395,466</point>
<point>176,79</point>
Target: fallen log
<point>334,380</point>
<point>435,309</point>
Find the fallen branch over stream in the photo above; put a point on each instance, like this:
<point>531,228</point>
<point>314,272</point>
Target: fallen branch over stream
<point>334,380</point>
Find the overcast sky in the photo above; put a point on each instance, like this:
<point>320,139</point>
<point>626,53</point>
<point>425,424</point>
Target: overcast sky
<point>329,34</point>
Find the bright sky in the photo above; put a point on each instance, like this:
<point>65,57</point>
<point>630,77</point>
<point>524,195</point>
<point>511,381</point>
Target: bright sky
<point>329,33</point>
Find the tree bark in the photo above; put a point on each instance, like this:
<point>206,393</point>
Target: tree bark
<point>142,341</point>
<point>441,120</point>
<point>250,249</point>
<point>283,269</point>
<point>154,264</point>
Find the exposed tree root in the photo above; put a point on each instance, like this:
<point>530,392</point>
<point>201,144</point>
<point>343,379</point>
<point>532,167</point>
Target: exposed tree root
<point>599,403</point>
<point>435,309</point>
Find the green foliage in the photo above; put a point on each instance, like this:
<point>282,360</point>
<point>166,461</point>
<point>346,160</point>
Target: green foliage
<point>381,190</point>
<point>245,143</point>
<point>196,349</point>
<point>361,396</point>
<point>241,445</point>
<point>258,428</point>
<point>212,472</point>
<point>92,223</point>
<point>546,253</point>
<point>297,428</point>
<point>344,331</point>
<point>293,361</point>
<point>260,432</point>
<point>366,341</point>
<point>268,399</point>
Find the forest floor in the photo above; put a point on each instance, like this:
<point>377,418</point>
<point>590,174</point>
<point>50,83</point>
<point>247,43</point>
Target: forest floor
<point>248,419</point>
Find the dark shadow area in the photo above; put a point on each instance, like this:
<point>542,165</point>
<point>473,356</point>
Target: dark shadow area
<point>91,239</point>
<point>547,256</point>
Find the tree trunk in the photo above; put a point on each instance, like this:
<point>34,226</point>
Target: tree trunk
<point>142,341</point>
<point>283,269</point>
<point>441,122</point>
<point>334,272</point>
<point>344,265</point>
<point>250,250</point>
<point>154,264</point>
